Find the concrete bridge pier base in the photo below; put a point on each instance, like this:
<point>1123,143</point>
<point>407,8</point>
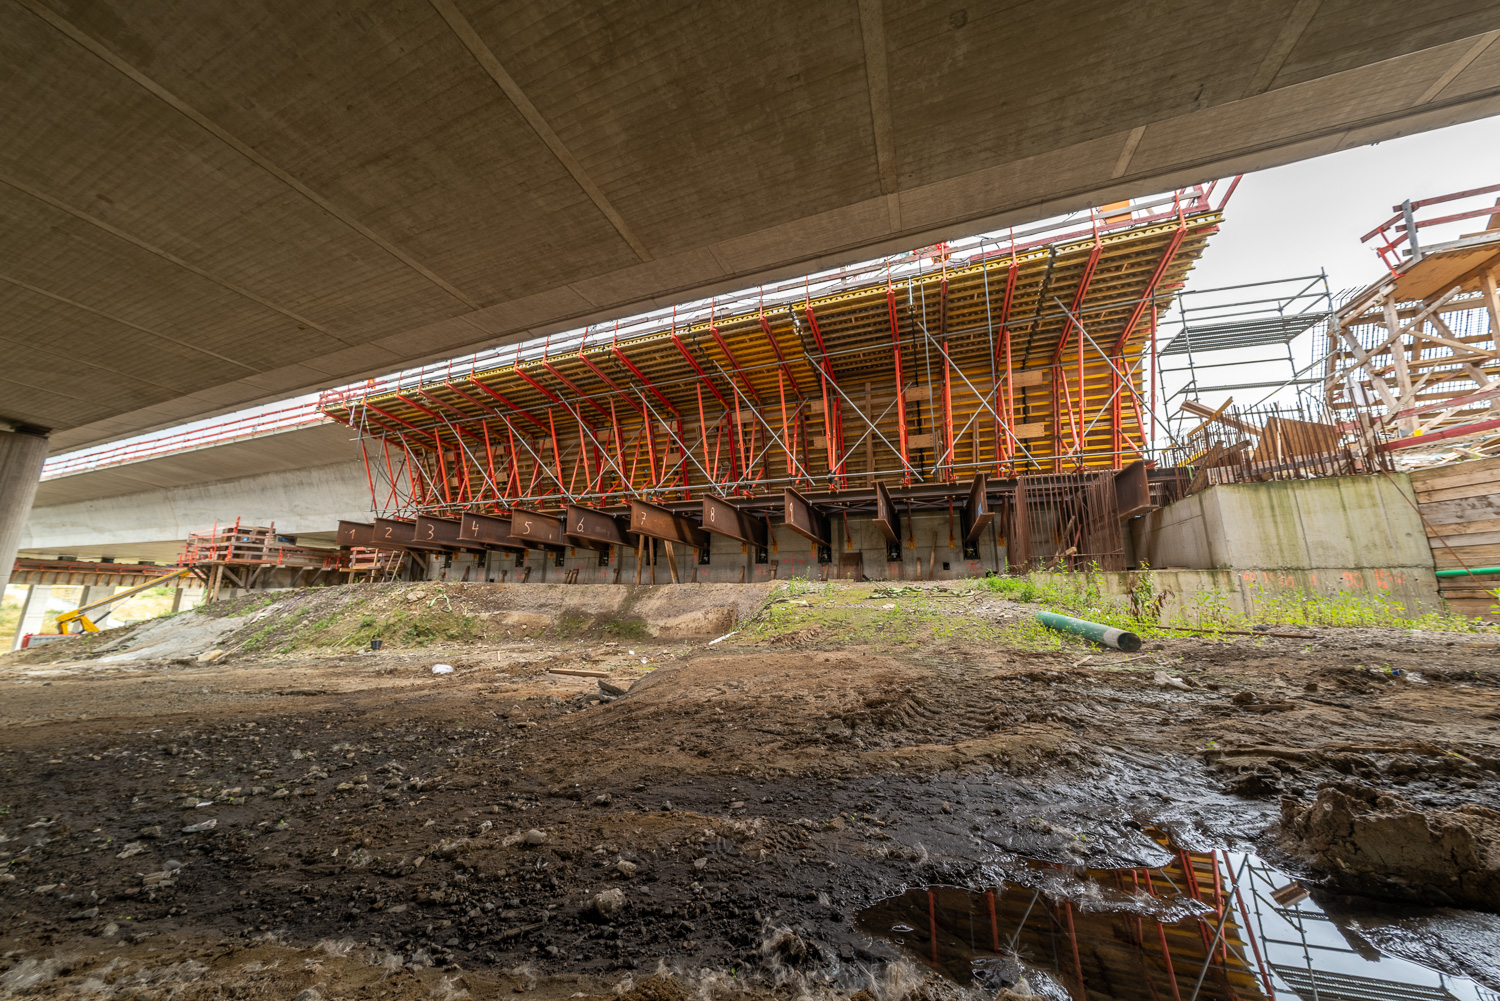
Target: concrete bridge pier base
<point>22,453</point>
<point>33,610</point>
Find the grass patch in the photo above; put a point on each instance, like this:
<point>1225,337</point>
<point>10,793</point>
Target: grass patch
<point>902,617</point>
<point>1082,594</point>
<point>815,613</point>
<point>352,625</point>
<point>625,629</point>
<point>403,628</point>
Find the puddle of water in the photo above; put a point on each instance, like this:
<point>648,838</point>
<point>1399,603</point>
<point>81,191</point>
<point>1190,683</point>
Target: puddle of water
<point>1208,926</point>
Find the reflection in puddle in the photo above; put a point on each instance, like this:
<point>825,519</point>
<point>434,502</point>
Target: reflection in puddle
<point>1208,926</point>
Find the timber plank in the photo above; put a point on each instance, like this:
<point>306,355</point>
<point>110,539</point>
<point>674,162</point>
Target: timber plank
<point>1445,558</point>
<point>1472,477</point>
<point>1475,607</point>
<point>1462,510</point>
<point>1471,591</point>
<point>1462,472</point>
<point>1457,493</point>
<point>1464,529</point>
<point>1465,539</point>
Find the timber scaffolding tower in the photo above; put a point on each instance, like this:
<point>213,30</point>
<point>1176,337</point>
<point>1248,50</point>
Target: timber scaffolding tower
<point>242,556</point>
<point>1413,359</point>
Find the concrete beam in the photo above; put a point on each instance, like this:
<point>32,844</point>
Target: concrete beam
<point>153,524</point>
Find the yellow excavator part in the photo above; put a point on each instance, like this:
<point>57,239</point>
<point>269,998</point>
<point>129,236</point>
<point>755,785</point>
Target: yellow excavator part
<point>79,615</point>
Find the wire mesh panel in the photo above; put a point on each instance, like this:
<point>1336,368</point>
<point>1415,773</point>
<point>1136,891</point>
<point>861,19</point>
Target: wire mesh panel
<point>1102,544</point>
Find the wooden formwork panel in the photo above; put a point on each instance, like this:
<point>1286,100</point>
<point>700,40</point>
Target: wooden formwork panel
<point>966,368</point>
<point>1460,506</point>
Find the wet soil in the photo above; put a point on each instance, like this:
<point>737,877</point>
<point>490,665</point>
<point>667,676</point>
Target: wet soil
<point>355,826</point>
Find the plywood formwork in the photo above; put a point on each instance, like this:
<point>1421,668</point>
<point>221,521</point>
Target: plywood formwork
<point>1023,359</point>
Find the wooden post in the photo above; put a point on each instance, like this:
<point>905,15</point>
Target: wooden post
<point>1398,360</point>
<point>671,564</point>
<point>640,544</point>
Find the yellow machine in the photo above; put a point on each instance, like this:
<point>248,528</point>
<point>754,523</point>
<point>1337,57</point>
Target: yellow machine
<point>78,614</point>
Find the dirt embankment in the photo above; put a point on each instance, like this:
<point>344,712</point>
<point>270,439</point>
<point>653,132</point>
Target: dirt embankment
<point>321,621</point>
<point>349,823</point>
<point>1379,844</point>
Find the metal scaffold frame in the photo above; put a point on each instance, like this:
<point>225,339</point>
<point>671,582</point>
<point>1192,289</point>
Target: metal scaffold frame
<point>1023,357</point>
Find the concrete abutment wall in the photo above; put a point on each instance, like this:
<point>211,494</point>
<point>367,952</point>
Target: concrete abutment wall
<point>1254,541</point>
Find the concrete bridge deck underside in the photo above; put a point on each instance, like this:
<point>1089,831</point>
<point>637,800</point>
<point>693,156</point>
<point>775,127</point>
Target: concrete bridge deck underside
<point>212,205</point>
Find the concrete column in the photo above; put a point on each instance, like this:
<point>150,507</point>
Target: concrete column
<point>22,453</point>
<point>98,592</point>
<point>32,610</point>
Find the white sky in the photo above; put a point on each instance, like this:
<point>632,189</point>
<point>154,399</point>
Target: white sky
<point>1308,216</point>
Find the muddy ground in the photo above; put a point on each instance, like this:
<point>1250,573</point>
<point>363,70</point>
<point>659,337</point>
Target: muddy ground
<point>303,818</point>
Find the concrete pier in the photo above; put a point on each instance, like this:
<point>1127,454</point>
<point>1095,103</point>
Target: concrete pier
<point>22,452</point>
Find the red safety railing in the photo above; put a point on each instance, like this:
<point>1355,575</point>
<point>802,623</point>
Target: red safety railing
<point>1398,239</point>
<point>1141,211</point>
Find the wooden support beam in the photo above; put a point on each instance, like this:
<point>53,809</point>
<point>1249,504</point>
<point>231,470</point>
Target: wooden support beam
<point>1210,416</point>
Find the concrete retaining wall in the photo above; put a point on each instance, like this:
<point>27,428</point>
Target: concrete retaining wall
<point>790,555</point>
<point>1340,534</point>
<point>1335,523</point>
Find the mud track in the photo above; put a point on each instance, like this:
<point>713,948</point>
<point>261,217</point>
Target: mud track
<point>359,827</point>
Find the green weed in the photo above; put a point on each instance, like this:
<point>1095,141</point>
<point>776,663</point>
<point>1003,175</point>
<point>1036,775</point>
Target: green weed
<point>625,629</point>
<point>1014,588</point>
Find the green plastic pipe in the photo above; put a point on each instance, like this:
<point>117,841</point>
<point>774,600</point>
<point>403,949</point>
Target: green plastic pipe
<point>1109,636</point>
<point>1465,573</point>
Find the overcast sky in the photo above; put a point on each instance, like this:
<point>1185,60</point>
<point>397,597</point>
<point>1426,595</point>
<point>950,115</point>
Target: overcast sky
<point>1307,216</point>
